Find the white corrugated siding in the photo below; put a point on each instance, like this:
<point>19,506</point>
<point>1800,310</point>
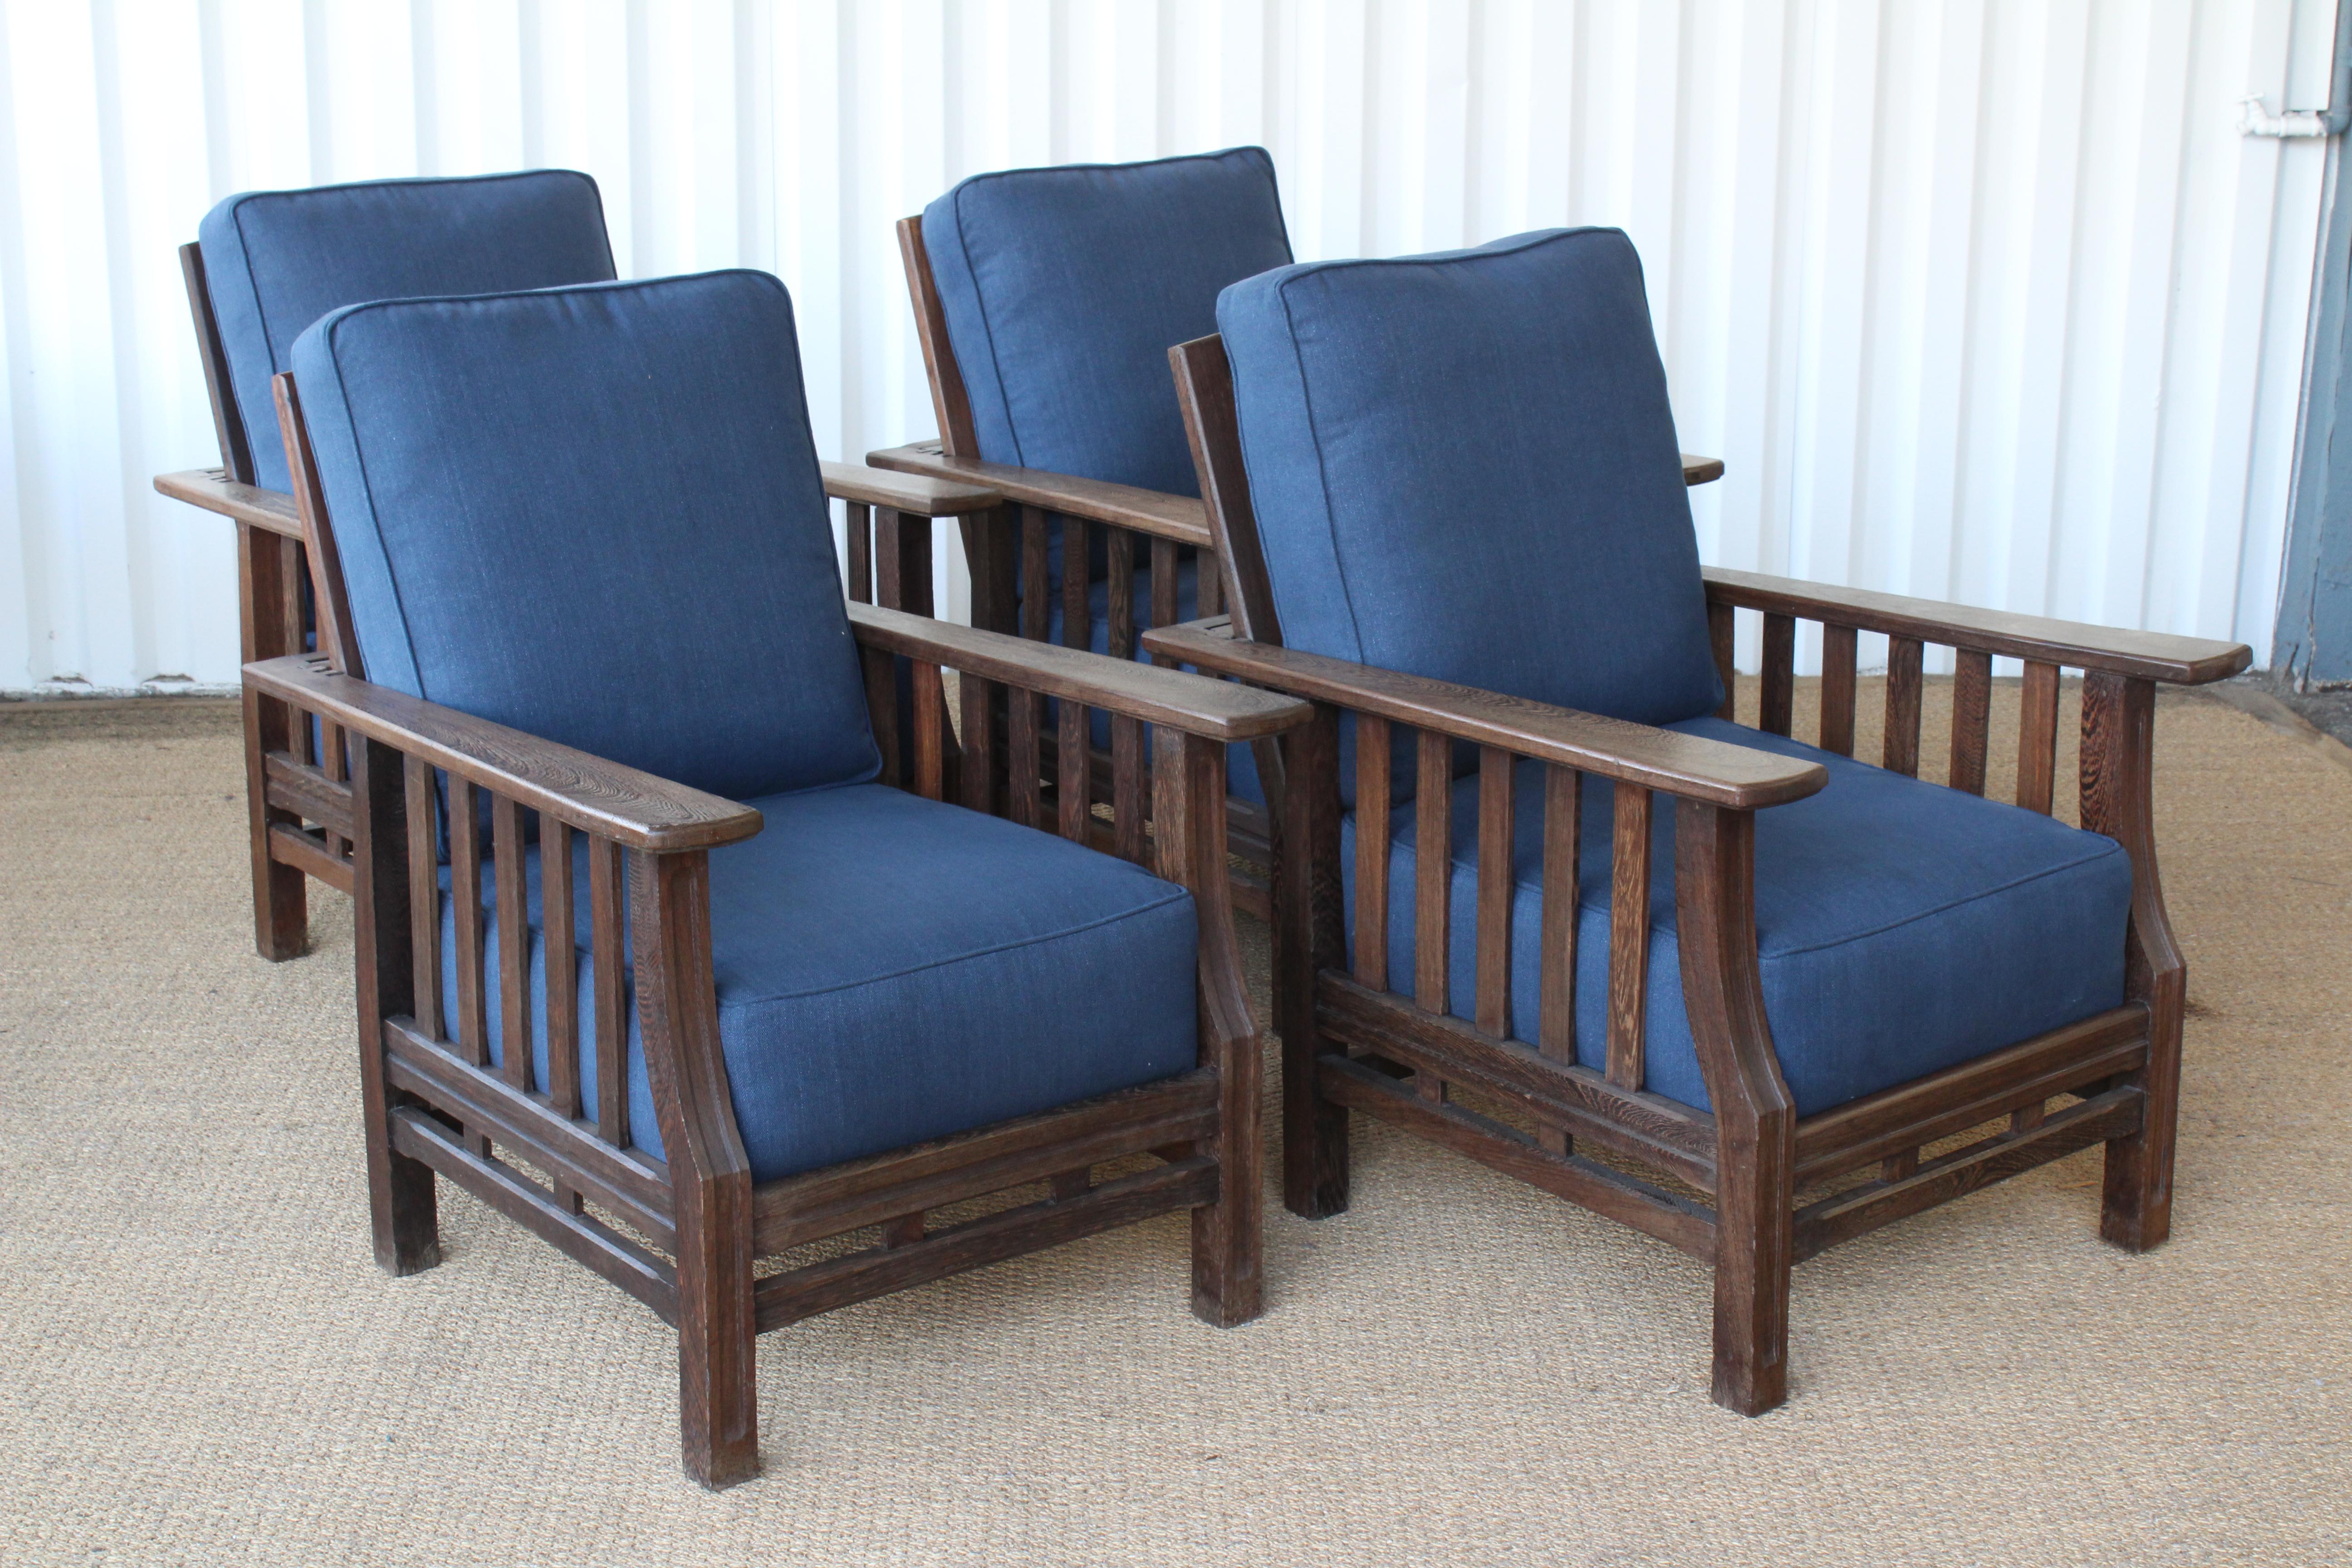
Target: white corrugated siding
<point>1980,299</point>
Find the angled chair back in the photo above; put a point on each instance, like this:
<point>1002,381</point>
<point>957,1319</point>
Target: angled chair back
<point>593,514</point>
<point>1060,290</point>
<point>275,262</point>
<point>1464,466</point>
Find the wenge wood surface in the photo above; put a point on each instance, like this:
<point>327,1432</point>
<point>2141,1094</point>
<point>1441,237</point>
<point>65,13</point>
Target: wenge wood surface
<point>1685,766</point>
<point>602,797</point>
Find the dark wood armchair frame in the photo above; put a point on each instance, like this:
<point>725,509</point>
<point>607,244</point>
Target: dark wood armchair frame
<point>1357,1039</point>
<point>297,793</point>
<point>681,1235</point>
<point>1009,549</point>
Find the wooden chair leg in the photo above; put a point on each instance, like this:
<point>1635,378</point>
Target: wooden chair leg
<point>718,1335</point>
<point>280,899</point>
<point>401,1209</point>
<point>1308,938</point>
<point>1753,1235</point>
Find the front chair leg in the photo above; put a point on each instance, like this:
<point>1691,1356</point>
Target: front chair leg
<point>402,1210</point>
<point>1753,1224</point>
<point>268,573</point>
<point>1188,817</point>
<point>1307,939</point>
<point>710,1177</point>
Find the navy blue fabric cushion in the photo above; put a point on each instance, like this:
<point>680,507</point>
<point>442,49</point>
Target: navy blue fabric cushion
<point>1064,288</point>
<point>1464,466</point>
<point>1240,762</point>
<point>1903,927</point>
<point>891,969</point>
<point>276,261</point>
<point>594,514</point>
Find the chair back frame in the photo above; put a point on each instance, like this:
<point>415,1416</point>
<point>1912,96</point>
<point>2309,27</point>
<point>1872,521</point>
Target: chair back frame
<point>1357,1039</point>
<point>436,1104</point>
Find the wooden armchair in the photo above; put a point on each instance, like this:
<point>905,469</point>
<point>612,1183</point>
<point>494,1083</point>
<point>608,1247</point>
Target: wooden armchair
<point>724,975</point>
<point>270,263</point>
<point>1752,1023</point>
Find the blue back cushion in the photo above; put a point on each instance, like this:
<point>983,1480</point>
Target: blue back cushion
<point>1464,467</point>
<point>1063,289</point>
<point>594,514</point>
<point>276,261</point>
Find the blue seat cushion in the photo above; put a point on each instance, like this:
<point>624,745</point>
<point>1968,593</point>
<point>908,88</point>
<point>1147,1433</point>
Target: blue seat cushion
<point>1903,926</point>
<point>276,261</point>
<point>1065,287</point>
<point>594,514</point>
<point>891,969</point>
<point>1464,466</point>
<point>1240,762</point>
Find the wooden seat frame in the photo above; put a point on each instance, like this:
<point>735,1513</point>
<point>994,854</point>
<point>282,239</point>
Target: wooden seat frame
<point>1358,1038</point>
<point>681,1235</point>
<point>1008,550</point>
<point>298,796</point>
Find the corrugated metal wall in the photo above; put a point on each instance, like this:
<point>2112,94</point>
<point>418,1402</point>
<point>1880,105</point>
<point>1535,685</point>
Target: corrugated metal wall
<point>1984,299</point>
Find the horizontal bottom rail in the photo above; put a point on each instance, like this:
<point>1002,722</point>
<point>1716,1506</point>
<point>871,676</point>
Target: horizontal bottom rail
<point>804,1292</point>
<point>1607,1192</point>
<point>419,1135</point>
<point>629,1184</point>
<point>307,853</point>
<point>1178,1112</point>
<point>2116,1114</point>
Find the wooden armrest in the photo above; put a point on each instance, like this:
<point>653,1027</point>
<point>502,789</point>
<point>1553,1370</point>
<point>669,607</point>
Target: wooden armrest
<point>2152,656</point>
<point>912,494</point>
<point>1699,471</point>
<point>1216,709</point>
<point>214,490</point>
<point>1686,765</point>
<point>1179,518</point>
<point>623,803</point>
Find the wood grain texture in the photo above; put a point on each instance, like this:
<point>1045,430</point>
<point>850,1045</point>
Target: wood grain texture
<point>1556,993</point>
<point>212,491</point>
<point>2154,656</point>
<point>1204,394</point>
<point>1495,888</point>
<point>1662,760</point>
<point>1216,710</point>
<point>1629,935</point>
<point>1699,471</point>
<point>1971,719</point>
<point>1904,666</point>
<point>2037,738</point>
<point>1778,702</point>
<point>609,799</point>
<point>1715,893</point>
<point>1432,861</point>
<point>330,602</point>
<point>1839,650</point>
<point>1308,939</point>
<point>401,1214</point>
<point>1373,831</point>
<point>915,494</point>
<point>951,402</point>
<point>1722,636</point>
<point>1178,517</point>
<point>510,895</point>
<point>220,381</point>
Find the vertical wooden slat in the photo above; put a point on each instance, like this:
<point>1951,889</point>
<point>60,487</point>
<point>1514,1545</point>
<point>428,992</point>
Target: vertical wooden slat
<point>607,900</point>
<point>512,889</point>
<point>1906,658</point>
<point>902,561</point>
<point>1971,719</point>
<point>1372,965</point>
<point>977,774</point>
<point>424,897</point>
<point>1077,617</point>
<point>882,711</point>
<point>1838,688</point>
<point>1164,588</point>
<point>560,942</point>
<point>1719,629</point>
<point>1556,996</point>
<point>1122,593</point>
<point>930,725</point>
<point>1495,824</point>
<point>1433,895</point>
<point>861,550</point>
<point>1020,768</point>
<point>1210,587</point>
<point>1778,705</point>
<point>1036,586</point>
<point>1126,787</point>
<point>400,1190</point>
<point>1629,935</point>
<point>332,761</point>
<point>1071,783</point>
<point>466,896</point>
<point>2037,738</point>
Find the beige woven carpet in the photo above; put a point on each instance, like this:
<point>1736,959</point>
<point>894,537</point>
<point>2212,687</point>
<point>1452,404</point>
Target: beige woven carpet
<point>200,1363</point>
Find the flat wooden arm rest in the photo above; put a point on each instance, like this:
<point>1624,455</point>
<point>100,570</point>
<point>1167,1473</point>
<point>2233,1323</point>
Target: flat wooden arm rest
<point>1179,518</point>
<point>2151,656</point>
<point>1215,709</point>
<point>214,490</point>
<point>1699,471</point>
<point>1685,766</point>
<point>613,800</point>
<point>916,494</point>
